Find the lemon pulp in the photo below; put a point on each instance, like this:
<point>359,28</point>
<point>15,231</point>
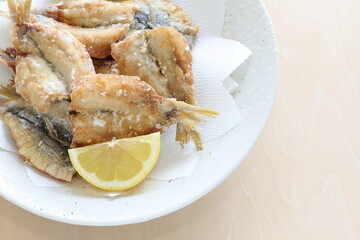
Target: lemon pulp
<point>118,164</point>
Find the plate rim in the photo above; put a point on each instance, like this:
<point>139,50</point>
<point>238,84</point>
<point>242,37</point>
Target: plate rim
<point>145,218</point>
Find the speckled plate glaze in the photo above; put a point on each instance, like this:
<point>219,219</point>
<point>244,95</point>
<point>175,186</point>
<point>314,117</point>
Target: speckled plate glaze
<point>246,21</point>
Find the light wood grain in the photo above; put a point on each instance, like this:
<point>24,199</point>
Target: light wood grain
<point>302,179</point>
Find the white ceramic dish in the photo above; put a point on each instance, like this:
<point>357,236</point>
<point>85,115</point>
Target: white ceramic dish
<point>246,21</point>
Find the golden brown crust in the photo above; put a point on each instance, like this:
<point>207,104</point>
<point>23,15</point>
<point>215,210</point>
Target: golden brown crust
<point>164,62</point>
<point>95,128</point>
<point>173,54</point>
<point>37,84</point>
<point>98,40</point>
<point>110,106</point>
<point>134,58</point>
<point>111,92</point>
<point>67,55</point>
<point>91,13</point>
<point>162,58</point>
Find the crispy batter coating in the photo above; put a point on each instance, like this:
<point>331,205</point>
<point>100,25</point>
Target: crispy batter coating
<point>110,106</point>
<point>162,58</point>
<point>91,13</point>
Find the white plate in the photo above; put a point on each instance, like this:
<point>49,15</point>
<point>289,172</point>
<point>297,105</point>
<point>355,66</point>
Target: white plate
<point>246,21</point>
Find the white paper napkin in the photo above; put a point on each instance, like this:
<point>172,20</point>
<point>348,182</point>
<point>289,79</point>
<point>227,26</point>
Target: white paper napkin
<point>40,179</point>
<point>231,85</point>
<point>214,59</point>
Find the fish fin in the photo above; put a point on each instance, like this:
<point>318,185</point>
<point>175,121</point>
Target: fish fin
<point>19,11</point>
<point>188,125</point>
<point>8,93</point>
<point>7,57</point>
<point>19,14</point>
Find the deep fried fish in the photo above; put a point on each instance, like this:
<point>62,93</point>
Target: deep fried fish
<point>42,139</point>
<point>38,148</point>
<point>110,106</point>
<point>162,58</point>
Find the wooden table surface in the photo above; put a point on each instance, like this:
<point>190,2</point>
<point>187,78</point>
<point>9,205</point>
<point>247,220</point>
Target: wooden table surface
<point>302,178</point>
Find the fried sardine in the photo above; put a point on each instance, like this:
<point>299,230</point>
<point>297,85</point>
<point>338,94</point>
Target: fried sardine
<point>42,139</point>
<point>47,61</point>
<point>162,58</point>
<point>110,106</point>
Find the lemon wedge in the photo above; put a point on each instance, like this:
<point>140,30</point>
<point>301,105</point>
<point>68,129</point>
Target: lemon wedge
<point>118,164</point>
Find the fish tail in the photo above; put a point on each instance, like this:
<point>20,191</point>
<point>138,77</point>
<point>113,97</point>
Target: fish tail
<point>19,11</point>
<point>188,123</point>
<point>19,15</point>
<point>186,130</point>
